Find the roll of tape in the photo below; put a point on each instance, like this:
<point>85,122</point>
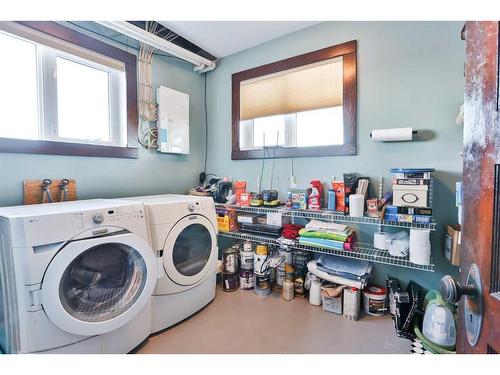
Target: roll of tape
<point>380,240</point>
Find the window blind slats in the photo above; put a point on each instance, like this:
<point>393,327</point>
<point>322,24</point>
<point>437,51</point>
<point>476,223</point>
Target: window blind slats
<point>308,87</point>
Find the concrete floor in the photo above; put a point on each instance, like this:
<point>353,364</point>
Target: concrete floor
<point>241,322</point>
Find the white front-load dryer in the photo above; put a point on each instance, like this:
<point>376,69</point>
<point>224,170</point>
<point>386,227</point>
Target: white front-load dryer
<point>76,277</point>
<point>183,232</point>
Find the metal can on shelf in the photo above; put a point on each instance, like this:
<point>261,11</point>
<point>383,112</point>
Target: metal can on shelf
<point>300,259</point>
<point>246,260</point>
<point>230,282</point>
<point>262,249</point>
<point>262,284</point>
<point>230,260</point>
<point>246,279</point>
<point>247,246</point>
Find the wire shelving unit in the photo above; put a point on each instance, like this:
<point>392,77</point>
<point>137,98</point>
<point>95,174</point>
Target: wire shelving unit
<point>361,251</point>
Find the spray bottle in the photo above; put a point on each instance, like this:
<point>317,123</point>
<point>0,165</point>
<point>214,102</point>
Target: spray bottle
<point>316,197</point>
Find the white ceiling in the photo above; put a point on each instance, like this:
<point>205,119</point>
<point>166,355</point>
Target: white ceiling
<point>223,38</point>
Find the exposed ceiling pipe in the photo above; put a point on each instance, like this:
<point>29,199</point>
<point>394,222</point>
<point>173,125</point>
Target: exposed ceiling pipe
<point>201,64</point>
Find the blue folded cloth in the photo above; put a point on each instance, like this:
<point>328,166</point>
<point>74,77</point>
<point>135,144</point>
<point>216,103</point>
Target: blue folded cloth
<point>322,242</point>
<point>354,269</point>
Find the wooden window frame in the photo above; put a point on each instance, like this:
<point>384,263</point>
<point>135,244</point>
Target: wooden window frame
<point>348,52</point>
<point>26,146</point>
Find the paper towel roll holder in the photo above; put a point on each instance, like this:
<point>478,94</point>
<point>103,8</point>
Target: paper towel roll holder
<point>413,132</point>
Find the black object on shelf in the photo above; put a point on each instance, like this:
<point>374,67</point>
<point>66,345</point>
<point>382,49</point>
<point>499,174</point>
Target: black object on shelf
<point>262,229</point>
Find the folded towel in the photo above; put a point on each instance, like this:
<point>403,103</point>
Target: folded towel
<point>344,237</point>
<point>327,226</point>
<point>344,266</point>
<point>291,231</point>
<point>325,243</point>
<point>313,268</point>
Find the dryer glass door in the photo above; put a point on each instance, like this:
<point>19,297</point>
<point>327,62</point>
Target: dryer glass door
<point>190,250</point>
<point>96,285</point>
<point>103,282</point>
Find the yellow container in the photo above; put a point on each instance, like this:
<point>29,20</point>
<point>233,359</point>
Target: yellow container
<point>261,249</point>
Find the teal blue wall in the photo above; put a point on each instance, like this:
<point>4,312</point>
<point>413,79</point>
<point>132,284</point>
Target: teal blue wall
<point>409,74</point>
<point>152,173</point>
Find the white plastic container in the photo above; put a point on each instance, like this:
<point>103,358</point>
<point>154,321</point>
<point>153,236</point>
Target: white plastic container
<point>315,291</point>
<point>439,326</point>
<point>351,303</point>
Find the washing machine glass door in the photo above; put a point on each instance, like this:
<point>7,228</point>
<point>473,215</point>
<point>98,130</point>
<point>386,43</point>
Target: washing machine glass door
<point>97,285</point>
<point>190,250</point>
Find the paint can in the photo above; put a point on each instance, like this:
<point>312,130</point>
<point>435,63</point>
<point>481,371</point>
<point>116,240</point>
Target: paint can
<point>262,284</point>
<point>374,300</point>
<point>280,270</point>
<point>262,249</point>
<point>230,261</point>
<point>247,246</point>
<point>351,303</point>
<point>260,264</point>
<point>300,260</point>
<point>246,279</point>
<point>246,260</point>
<point>229,282</point>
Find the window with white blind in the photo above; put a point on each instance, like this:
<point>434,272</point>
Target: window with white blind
<point>60,93</point>
<point>301,106</point>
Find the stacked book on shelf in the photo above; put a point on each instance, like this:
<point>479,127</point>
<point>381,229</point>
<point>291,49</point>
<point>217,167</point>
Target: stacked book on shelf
<point>412,192</point>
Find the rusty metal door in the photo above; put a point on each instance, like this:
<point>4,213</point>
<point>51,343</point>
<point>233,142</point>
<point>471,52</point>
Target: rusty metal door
<point>479,288</point>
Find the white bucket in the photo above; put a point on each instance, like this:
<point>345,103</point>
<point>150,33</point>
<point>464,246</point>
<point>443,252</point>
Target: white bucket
<point>374,300</point>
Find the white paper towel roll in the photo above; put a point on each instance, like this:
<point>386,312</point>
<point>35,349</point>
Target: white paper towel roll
<point>420,246</point>
<point>396,134</point>
<point>380,240</point>
<point>356,205</point>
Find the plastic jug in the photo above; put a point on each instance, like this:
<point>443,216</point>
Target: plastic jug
<point>439,323</point>
<point>315,291</point>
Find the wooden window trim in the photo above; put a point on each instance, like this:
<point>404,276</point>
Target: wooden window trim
<point>9,145</point>
<point>348,52</point>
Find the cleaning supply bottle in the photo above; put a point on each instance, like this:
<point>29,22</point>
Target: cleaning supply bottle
<point>293,185</point>
<point>316,198</point>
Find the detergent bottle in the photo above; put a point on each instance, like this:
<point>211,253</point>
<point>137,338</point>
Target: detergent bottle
<point>316,198</point>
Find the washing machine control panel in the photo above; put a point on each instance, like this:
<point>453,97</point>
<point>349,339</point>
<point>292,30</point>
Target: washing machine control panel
<point>98,218</point>
<point>116,215</point>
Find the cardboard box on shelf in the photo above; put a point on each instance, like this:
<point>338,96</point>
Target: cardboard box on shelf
<point>452,244</point>
<point>276,218</point>
<point>226,219</point>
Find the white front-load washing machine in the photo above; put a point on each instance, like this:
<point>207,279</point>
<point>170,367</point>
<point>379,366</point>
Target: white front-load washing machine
<point>76,277</point>
<point>183,232</point>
